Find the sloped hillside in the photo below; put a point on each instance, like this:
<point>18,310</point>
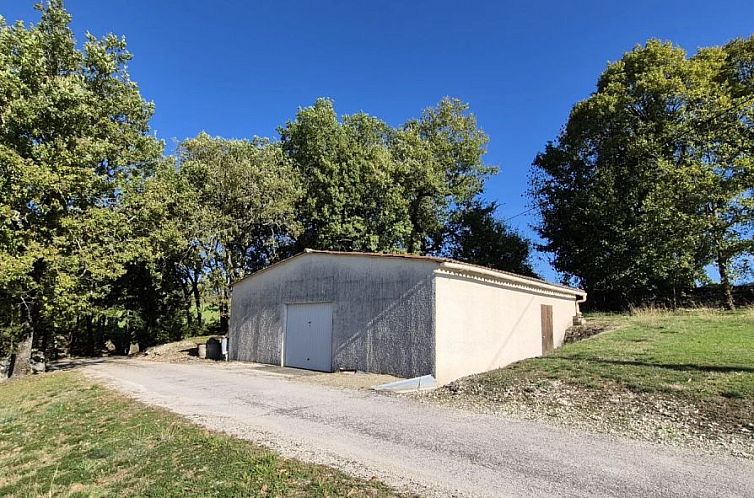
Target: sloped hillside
<point>685,377</point>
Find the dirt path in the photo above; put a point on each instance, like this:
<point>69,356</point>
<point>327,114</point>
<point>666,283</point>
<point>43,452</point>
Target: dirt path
<point>419,447</point>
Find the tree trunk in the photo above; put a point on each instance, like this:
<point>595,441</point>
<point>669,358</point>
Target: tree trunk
<point>101,328</point>
<point>187,308</point>
<point>90,332</point>
<point>225,299</point>
<point>44,340</point>
<point>189,316</point>
<point>224,311</point>
<point>91,338</point>
<point>675,299</point>
<point>725,286</point>
<point>22,362</point>
<point>197,302</point>
<point>414,237</point>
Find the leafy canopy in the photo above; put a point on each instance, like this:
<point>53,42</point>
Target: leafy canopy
<point>651,178</point>
<point>73,129</point>
<point>373,187</point>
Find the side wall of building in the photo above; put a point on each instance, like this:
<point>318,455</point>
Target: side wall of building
<point>382,311</point>
<point>482,325</point>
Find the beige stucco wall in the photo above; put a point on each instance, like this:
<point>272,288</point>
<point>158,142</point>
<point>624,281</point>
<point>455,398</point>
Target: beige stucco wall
<point>405,317</point>
<point>482,324</point>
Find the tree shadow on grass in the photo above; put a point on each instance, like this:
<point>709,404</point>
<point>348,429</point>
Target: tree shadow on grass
<point>683,367</point>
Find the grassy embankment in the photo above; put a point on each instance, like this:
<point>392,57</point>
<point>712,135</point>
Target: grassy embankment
<point>63,435</point>
<point>688,369</point>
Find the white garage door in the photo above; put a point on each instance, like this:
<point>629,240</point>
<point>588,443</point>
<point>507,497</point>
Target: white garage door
<point>308,336</point>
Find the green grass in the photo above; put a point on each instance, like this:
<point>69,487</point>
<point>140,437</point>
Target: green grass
<point>703,357</point>
<point>63,435</point>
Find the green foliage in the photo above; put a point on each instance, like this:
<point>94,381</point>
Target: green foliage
<point>73,131</point>
<point>351,199</point>
<point>477,237</point>
<point>372,187</point>
<point>242,215</point>
<point>651,179</point>
<point>441,153</point>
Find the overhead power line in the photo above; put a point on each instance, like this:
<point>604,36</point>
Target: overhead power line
<point>520,214</point>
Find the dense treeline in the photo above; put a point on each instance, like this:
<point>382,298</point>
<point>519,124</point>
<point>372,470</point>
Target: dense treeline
<point>105,238</point>
<point>652,178</point>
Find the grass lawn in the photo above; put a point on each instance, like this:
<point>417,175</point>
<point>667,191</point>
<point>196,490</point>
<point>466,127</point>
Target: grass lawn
<point>63,435</point>
<point>703,359</point>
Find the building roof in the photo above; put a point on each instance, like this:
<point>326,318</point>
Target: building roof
<point>436,259</point>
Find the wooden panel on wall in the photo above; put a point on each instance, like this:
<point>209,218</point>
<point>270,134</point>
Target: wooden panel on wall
<point>547,341</point>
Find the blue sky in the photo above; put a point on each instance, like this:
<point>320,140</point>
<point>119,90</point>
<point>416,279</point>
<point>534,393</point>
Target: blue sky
<point>238,69</point>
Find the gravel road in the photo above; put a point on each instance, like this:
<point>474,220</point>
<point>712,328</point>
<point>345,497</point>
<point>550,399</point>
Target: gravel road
<point>417,447</point>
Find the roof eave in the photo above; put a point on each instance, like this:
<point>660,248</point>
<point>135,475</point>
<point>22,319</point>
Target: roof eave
<point>510,278</point>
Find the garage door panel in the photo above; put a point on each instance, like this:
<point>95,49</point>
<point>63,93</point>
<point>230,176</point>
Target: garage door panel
<point>308,336</point>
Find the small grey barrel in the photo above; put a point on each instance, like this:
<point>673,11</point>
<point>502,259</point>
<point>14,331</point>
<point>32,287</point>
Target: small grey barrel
<point>202,351</point>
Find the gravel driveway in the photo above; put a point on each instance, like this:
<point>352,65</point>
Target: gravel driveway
<point>426,449</point>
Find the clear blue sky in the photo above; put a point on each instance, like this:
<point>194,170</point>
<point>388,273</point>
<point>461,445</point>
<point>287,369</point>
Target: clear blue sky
<point>241,68</point>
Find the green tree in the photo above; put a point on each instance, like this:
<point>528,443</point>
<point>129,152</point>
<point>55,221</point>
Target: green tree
<point>73,129</point>
<point>634,193</point>
<point>593,185</point>
<point>155,292</point>
<point>372,187</point>
<point>441,168</point>
<point>244,216</point>
<point>477,237</point>
<point>724,146</point>
<point>352,200</point>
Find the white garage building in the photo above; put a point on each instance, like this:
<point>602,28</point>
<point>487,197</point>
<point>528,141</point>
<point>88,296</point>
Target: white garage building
<point>396,314</point>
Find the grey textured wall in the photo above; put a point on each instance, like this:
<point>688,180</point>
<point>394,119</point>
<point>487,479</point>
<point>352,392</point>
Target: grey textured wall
<point>382,311</point>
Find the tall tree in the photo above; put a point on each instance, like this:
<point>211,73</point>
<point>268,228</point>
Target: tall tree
<point>153,297</point>
<point>352,200</point>
<point>73,128</point>
<point>634,189</point>
<point>724,144</point>
<point>476,236</point>
<point>372,187</point>
<point>245,218</point>
<point>441,157</point>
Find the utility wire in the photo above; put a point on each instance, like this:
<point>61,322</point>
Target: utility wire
<point>520,214</point>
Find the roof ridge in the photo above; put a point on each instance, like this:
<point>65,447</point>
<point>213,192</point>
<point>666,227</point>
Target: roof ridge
<point>439,259</point>
<point>436,259</point>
